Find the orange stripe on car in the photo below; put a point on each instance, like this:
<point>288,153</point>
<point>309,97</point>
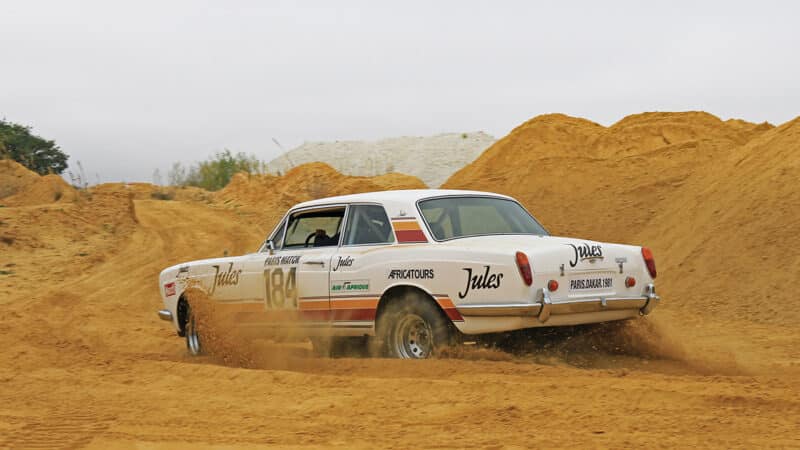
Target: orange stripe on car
<point>356,303</point>
<point>406,225</point>
<point>312,306</point>
<point>445,302</point>
<point>407,230</point>
<point>449,308</point>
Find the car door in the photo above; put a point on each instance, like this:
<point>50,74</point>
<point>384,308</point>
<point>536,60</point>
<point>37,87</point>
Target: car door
<point>269,279</point>
<point>311,239</point>
<point>357,277</point>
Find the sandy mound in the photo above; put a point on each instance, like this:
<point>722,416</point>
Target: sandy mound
<point>14,177</point>
<point>729,234</point>
<point>577,176</point>
<point>443,154</point>
<point>147,191</point>
<point>43,246</point>
<point>20,186</point>
<point>272,195</point>
<point>717,201</point>
<point>642,133</point>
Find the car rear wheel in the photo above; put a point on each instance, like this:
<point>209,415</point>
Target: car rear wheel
<point>414,328</point>
<point>192,336</point>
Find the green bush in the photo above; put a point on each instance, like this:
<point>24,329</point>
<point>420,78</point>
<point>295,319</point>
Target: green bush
<point>214,173</point>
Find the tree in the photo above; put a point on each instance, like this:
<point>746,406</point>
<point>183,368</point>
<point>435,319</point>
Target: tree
<point>40,155</point>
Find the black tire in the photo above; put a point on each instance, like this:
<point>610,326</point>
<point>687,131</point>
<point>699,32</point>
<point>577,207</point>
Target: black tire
<point>193,341</point>
<point>413,327</point>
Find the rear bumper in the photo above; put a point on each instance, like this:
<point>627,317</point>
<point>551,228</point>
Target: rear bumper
<point>544,308</point>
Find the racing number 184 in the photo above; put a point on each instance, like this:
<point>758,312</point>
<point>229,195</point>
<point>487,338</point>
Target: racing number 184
<point>281,292</point>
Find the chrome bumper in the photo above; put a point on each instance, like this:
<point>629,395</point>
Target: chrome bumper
<point>544,308</point>
<point>165,314</point>
<point>652,299</point>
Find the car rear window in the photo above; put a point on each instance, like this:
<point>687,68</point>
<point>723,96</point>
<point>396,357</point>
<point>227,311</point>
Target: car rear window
<point>454,217</point>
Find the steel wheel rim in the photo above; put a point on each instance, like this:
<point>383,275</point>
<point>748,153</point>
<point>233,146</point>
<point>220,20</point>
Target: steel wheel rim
<point>414,337</point>
<point>192,338</point>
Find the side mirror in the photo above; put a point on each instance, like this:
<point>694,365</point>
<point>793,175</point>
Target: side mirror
<point>270,246</point>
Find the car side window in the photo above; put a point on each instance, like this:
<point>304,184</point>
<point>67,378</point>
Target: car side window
<point>368,224</point>
<point>316,228</point>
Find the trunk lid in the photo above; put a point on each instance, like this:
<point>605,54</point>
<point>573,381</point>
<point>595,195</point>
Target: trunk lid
<point>582,268</point>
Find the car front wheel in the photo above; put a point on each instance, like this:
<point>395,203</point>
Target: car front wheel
<point>192,336</point>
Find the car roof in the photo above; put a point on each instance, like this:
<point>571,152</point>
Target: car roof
<point>395,196</point>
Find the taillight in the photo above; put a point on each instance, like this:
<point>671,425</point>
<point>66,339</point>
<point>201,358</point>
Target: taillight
<point>630,282</point>
<point>552,285</point>
<point>524,268</point>
<point>169,289</point>
<point>649,261</point>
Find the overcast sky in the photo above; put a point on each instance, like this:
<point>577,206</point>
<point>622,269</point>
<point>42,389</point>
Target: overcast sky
<point>128,87</point>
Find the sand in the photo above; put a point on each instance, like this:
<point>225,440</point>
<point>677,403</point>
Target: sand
<point>21,187</point>
<point>86,364</point>
<point>265,198</point>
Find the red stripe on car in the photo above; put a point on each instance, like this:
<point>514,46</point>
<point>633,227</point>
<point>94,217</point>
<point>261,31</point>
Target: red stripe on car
<point>406,236</point>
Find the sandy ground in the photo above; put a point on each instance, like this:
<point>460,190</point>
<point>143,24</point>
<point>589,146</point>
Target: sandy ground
<point>85,363</point>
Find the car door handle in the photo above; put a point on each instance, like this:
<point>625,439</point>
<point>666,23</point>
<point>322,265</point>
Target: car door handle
<point>315,262</point>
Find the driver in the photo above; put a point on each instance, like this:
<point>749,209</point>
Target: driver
<point>321,238</point>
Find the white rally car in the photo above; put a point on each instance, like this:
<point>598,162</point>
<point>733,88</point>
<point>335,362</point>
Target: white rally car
<point>414,270</point>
